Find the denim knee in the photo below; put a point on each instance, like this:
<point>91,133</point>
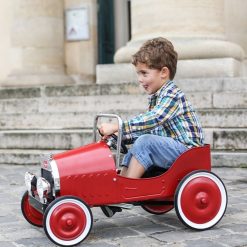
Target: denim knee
<point>143,141</point>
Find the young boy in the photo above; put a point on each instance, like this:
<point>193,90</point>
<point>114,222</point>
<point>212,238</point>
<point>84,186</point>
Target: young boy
<point>170,126</point>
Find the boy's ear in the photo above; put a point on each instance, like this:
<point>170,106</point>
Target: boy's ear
<point>165,73</point>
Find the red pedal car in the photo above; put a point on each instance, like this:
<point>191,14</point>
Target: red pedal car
<point>73,182</point>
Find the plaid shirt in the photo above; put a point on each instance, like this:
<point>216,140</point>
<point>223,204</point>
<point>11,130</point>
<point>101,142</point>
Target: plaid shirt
<point>170,114</point>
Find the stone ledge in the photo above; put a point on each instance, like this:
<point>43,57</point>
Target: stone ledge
<point>226,139</point>
<point>212,85</point>
<point>231,139</point>
<point>19,93</point>
<point>90,103</point>
<point>225,159</point>
<point>230,100</point>
<point>219,139</point>
<point>194,68</point>
<point>70,120</point>
<point>205,68</point>
<point>31,157</point>
<point>45,139</point>
<point>105,103</point>
<point>23,157</point>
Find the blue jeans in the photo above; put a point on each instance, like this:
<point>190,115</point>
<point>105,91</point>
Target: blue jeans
<point>153,150</point>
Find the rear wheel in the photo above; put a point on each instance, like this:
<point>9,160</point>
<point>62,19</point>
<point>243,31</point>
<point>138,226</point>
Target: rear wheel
<point>33,216</point>
<point>157,209</point>
<point>200,200</point>
<point>67,221</point>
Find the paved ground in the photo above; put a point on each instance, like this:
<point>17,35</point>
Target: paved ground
<point>129,228</point>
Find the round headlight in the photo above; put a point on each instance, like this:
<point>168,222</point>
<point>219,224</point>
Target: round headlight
<point>43,187</point>
<point>28,179</point>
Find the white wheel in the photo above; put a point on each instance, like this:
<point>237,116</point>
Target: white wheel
<point>200,200</point>
<point>67,221</point>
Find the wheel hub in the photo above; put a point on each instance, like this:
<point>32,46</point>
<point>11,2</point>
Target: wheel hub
<point>69,223</point>
<point>202,200</point>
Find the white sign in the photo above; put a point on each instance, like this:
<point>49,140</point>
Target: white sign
<point>77,24</point>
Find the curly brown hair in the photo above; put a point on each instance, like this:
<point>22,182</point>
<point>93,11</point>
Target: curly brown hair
<point>156,54</point>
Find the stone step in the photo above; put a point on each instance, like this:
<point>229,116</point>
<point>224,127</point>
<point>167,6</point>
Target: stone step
<point>229,159</point>
<point>226,139</point>
<point>110,103</point>
<point>213,85</point>
<point>23,156</point>
<point>210,118</point>
<point>30,157</point>
<point>232,85</point>
<point>219,139</point>
<point>104,103</point>
<point>45,139</point>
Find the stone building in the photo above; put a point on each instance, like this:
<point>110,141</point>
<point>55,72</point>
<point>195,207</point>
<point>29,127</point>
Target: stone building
<point>209,35</point>
<point>62,61</point>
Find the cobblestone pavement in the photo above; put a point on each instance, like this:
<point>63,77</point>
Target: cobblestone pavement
<point>131,227</point>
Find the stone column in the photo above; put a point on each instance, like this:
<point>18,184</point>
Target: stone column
<point>236,25</point>
<point>36,43</point>
<point>197,30</point>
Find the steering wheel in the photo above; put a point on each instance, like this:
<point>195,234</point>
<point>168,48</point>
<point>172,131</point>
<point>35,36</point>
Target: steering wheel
<point>112,142</point>
<point>114,138</point>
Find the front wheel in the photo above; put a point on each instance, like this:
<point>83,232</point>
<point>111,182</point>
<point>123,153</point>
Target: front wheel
<point>67,221</point>
<point>200,200</point>
<point>33,216</point>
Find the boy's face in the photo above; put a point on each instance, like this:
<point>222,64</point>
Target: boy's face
<point>151,79</point>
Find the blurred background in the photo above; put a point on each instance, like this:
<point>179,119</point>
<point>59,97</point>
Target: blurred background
<point>63,61</point>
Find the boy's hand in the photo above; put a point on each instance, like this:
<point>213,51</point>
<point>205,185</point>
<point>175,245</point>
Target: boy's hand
<point>107,129</point>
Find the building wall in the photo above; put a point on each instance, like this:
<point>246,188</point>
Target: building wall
<point>6,18</point>
<point>81,56</point>
<point>34,49</point>
<point>33,42</point>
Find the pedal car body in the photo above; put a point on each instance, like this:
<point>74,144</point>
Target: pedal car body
<point>73,182</point>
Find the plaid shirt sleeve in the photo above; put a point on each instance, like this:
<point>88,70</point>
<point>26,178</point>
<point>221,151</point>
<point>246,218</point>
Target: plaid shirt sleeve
<point>165,109</point>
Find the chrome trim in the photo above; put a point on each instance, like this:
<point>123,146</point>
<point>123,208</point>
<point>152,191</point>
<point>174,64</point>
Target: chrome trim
<point>28,180</point>
<point>120,132</point>
<point>43,189</point>
<point>56,177</point>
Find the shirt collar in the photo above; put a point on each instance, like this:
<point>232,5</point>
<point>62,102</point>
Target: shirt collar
<point>157,93</point>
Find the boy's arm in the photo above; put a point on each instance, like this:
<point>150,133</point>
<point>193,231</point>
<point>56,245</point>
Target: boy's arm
<point>165,109</point>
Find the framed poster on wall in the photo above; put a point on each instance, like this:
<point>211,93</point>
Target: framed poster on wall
<point>77,24</point>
